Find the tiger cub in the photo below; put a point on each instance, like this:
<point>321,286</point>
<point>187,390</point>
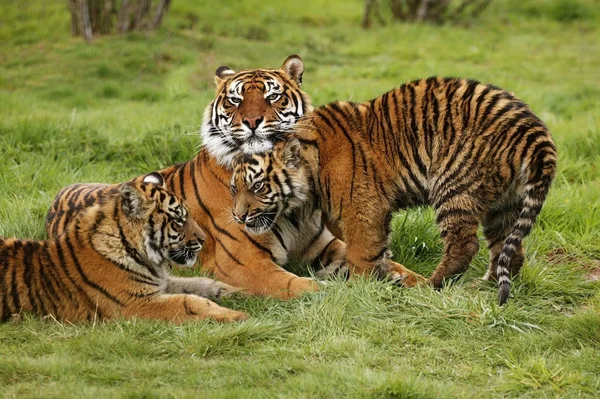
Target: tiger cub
<point>474,152</point>
<point>111,262</point>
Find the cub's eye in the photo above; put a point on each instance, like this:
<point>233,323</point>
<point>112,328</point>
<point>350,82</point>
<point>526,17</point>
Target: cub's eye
<point>179,222</point>
<point>232,190</point>
<point>257,186</point>
<point>234,100</point>
<point>274,97</point>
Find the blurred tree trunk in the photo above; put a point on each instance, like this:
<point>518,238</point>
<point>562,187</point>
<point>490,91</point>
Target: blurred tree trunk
<point>89,17</point>
<point>433,11</point>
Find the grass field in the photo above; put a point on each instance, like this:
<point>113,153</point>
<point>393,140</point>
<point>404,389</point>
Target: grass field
<point>125,105</point>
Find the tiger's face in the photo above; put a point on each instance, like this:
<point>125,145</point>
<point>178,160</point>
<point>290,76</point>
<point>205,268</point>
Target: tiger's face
<point>253,109</point>
<point>169,233</point>
<point>267,185</point>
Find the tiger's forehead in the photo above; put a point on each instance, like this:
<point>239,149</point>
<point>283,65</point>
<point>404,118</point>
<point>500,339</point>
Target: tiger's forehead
<point>251,167</point>
<point>168,202</point>
<point>263,80</point>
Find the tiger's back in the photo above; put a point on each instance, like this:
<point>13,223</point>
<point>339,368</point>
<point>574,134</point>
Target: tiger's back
<point>70,201</point>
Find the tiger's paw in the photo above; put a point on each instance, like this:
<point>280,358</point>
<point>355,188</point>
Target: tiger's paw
<point>228,316</point>
<point>333,270</point>
<point>298,286</point>
<point>222,290</point>
<point>400,275</point>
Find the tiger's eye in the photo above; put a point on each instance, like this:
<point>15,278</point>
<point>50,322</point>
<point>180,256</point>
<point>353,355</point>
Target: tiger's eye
<point>273,97</point>
<point>257,186</point>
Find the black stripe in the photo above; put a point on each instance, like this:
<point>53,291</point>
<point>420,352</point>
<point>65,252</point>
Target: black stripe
<point>444,214</point>
<point>314,238</point>
<point>323,251</point>
<point>466,100</point>
<point>84,277</point>
<point>50,293</point>
<point>335,107</point>
<point>277,234</point>
<point>377,256</point>
<point>205,209</point>
<point>259,246</point>
<point>231,256</point>
<point>28,252</point>
<point>63,264</point>
<point>17,246</point>
<point>55,281</point>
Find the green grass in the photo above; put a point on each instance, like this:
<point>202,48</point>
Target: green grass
<point>125,105</point>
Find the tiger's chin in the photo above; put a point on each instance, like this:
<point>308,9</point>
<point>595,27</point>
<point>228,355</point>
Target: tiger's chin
<point>184,258</point>
<point>261,224</point>
<point>256,145</point>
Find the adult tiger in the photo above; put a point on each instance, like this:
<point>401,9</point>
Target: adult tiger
<point>473,151</point>
<point>251,111</point>
<point>111,262</point>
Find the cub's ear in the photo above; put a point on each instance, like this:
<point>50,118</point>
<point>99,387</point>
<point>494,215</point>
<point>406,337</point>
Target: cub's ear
<point>222,74</point>
<point>133,202</point>
<point>291,154</point>
<point>155,178</point>
<point>293,66</point>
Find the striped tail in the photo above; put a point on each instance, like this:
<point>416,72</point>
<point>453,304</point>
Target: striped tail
<point>541,173</point>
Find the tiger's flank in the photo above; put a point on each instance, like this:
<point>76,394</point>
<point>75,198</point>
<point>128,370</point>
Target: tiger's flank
<point>112,261</point>
<point>474,152</point>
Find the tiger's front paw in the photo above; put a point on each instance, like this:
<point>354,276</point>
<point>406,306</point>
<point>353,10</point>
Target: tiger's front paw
<point>400,275</point>
<point>223,290</point>
<point>336,269</point>
<point>298,286</point>
<point>225,315</point>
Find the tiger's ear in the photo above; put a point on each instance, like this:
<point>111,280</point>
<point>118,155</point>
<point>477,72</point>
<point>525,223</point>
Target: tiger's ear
<point>133,202</point>
<point>155,178</point>
<point>293,66</point>
<point>291,154</point>
<point>223,73</point>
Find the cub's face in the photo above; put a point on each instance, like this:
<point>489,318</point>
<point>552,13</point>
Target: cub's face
<point>267,185</point>
<point>169,232</point>
<point>253,109</point>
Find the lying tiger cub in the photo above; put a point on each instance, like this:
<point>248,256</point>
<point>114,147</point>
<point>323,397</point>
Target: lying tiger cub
<point>473,151</point>
<point>111,262</point>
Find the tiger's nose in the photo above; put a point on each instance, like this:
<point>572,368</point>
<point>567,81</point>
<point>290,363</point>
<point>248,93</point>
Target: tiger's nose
<point>253,122</point>
<point>242,217</point>
<point>200,239</point>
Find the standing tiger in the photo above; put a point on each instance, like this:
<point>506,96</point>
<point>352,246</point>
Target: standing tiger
<point>474,152</point>
<point>111,262</point>
<point>252,110</point>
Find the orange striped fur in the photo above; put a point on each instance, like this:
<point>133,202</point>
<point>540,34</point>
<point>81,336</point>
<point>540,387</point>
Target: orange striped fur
<point>251,111</point>
<point>112,261</point>
<point>474,152</point>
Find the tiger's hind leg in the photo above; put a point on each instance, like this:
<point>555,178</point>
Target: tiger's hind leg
<point>458,220</point>
<point>497,225</point>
